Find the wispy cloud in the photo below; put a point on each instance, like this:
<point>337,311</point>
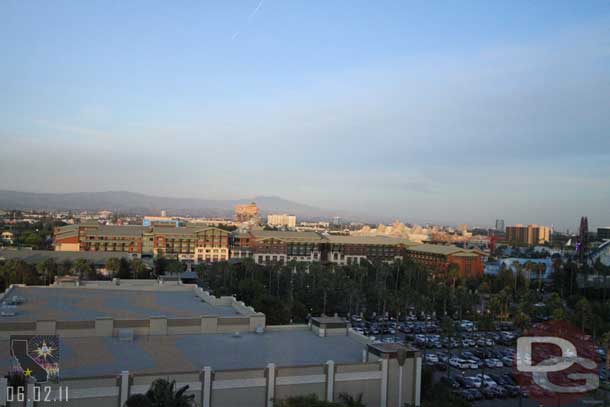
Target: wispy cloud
<point>250,17</point>
<point>253,13</point>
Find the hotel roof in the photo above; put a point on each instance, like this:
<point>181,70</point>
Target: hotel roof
<point>185,230</point>
<point>118,230</point>
<point>287,236</point>
<point>369,240</point>
<point>441,249</point>
<point>38,256</point>
<point>87,304</point>
<point>96,356</point>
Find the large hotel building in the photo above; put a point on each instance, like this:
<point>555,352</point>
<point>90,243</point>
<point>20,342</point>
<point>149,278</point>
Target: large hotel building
<point>530,234</point>
<point>198,244</point>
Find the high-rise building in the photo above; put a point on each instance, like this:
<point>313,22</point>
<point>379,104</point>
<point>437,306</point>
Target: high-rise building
<point>500,225</point>
<point>289,221</point>
<point>582,247</point>
<point>530,234</point>
<point>603,233</point>
<point>244,213</point>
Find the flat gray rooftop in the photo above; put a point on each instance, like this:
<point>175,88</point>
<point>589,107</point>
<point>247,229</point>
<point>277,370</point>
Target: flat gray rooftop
<point>85,304</point>
<point>94,356</point>
<point>38,256</point>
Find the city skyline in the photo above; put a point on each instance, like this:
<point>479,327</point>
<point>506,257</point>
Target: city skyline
<point>434,114</point>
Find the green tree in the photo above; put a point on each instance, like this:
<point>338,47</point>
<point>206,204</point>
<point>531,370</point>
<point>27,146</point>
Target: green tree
<point>48,269</point>
<point>139,269</point>
<point>163,393</point>
<point>113,265</point>
<point>522,320</point>
<point>33,239</point>
<point>310,400</point>
<point>138,400</point>
<point>348,400</point>
<point>583,313</point>
<point>83,269</point>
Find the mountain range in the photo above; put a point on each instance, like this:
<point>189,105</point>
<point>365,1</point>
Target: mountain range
<point>132,203</point>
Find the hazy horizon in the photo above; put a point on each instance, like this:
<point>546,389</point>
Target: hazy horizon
<point>442,113</point>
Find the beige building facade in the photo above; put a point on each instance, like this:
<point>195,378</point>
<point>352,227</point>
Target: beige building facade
<point>283,220</point>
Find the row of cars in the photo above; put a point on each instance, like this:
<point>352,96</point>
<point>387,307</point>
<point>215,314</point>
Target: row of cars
<point>466,340</point>
<point>476,359</point>
<point>376,328</point>
<point>392,327</point>
<point>485,386</point>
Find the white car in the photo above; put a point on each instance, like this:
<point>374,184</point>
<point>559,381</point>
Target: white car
<point>476,381</point>
<point>472,364</point>
<point>486,380</point>
<point>497,362</point>
<point>431,357</point>
<point>459,363</point>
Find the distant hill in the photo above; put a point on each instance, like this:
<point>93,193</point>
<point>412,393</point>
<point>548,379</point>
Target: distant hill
<point>130,202</point>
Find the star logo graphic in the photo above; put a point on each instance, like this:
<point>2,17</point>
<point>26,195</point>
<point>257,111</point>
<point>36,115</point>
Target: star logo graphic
<point>27,372</point>
<point>44,350</point>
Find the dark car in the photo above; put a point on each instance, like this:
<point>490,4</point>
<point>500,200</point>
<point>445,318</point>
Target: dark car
<point>463,382</point>
<point>513,391</point>
<point>488,392</point>
<point>476,394</point>
<point>501,392</point>
<point>498,379</point>
<point>450,382</point>
<point>509,379</point>
<point>465,394</point>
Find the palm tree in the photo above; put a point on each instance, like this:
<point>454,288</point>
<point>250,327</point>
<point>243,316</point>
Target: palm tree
<point>348,400</point>
<point>162,393</point>
<point>138,400</point>
<point>453,272</point>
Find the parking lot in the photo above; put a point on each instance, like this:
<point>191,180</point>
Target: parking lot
<point>478,366</point>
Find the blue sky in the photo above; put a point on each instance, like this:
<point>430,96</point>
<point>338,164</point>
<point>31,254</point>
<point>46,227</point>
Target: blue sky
<point>444,111</point>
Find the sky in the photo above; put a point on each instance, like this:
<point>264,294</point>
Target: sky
<point>426,111</point>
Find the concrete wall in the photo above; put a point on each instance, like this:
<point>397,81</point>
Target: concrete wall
<point>141,327</point>
<point>247,387</point>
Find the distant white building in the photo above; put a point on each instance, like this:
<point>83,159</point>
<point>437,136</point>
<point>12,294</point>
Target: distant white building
<point>7,237</point>
<point>289,221</point>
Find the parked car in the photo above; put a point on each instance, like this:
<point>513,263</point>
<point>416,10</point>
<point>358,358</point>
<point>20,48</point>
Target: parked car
<point>467,384</point>
<point>512,391</point>
<point>459,363</point>
<point>470,356</point>
<point>465,394</point>
<point>492,363</point>
<point>431,357</point>
<point>475,380</point>
<point>472,364</point>
<point>486,380</point>
<point>488,393</point>
<point>450,382</point>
